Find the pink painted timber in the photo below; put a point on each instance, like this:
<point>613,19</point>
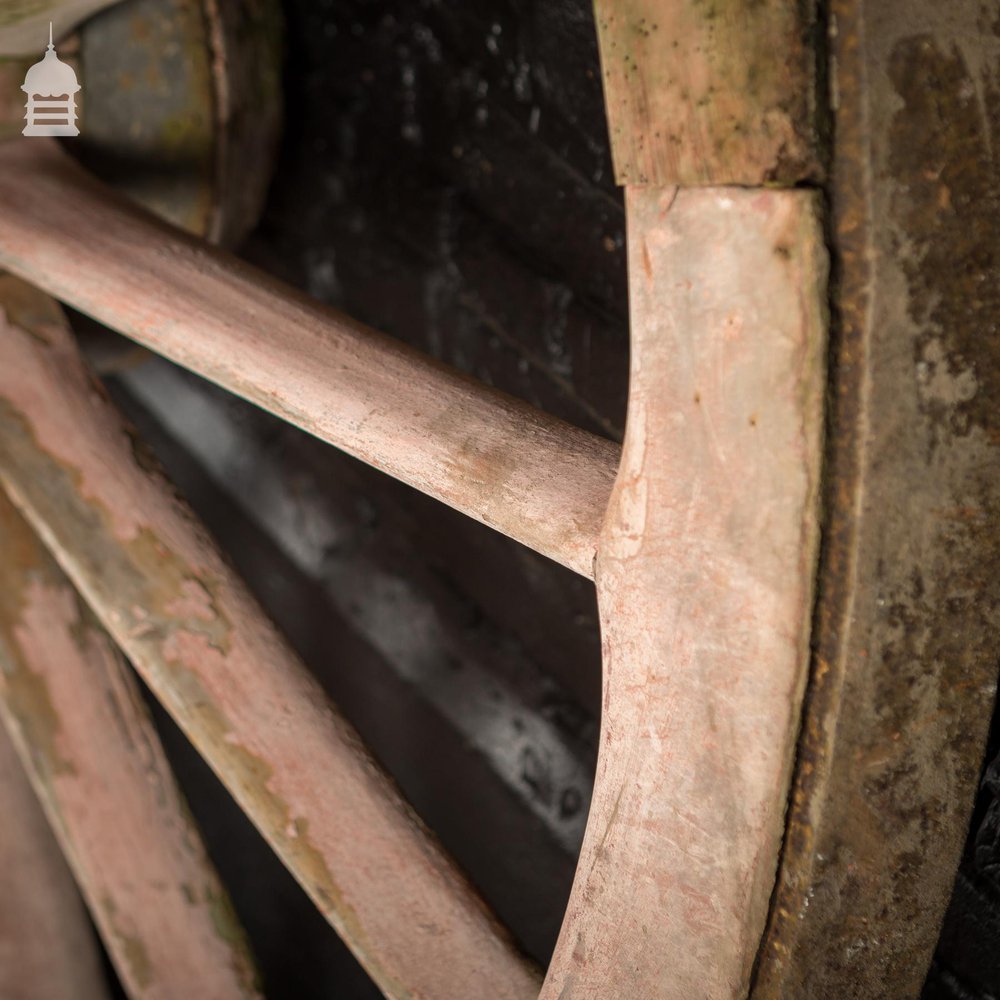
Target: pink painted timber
<point>499,460</point>
<point>704,581</point>
<point>86,739</point>
<point>160,587</point>
<point>705,556</point>
<point>704,574</point>
<point>47,948</point>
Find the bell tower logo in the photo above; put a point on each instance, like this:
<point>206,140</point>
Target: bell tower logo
<point>51,87</point>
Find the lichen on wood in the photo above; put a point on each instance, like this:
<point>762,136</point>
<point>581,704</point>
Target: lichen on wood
<point>294,764</point>
<point>76,715</point>
<point>710,91</point>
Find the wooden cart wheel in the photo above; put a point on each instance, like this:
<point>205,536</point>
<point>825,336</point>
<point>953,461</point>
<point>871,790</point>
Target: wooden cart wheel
<point>795,553</point>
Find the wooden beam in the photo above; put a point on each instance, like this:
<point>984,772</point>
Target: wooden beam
<point>704,582</point>
<point>710,91</point>
<point>524,473</point>
<point>292,762</point>
<point>73,708</point>
<point>48,950</point>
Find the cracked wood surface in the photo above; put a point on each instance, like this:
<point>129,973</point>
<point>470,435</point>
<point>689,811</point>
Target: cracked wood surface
<point>513,467</point>
<point>76,716</point>
<point>704,579</point>
<point>709,92</point>
<point>297,768</point>
<point>47,948</point>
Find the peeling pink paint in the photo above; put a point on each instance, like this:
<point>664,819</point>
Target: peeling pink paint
<point>47,949</point>
<point>117,811</point>
<point>298,769</point>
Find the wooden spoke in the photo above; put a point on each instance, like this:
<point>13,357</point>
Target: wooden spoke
<point>85,737</point>
<point>295,765</point>
<point>529,475</point>
<point>48,950</point>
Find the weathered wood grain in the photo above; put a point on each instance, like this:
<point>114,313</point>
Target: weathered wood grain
<point>704,581</point>
<point>709,92</point>
<point>524,473</point>
<point>86,739</point>
<point>293,763</point>
<point>48,950</point>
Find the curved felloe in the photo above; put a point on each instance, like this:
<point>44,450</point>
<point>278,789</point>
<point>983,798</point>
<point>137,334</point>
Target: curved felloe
<point>704,581</point>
